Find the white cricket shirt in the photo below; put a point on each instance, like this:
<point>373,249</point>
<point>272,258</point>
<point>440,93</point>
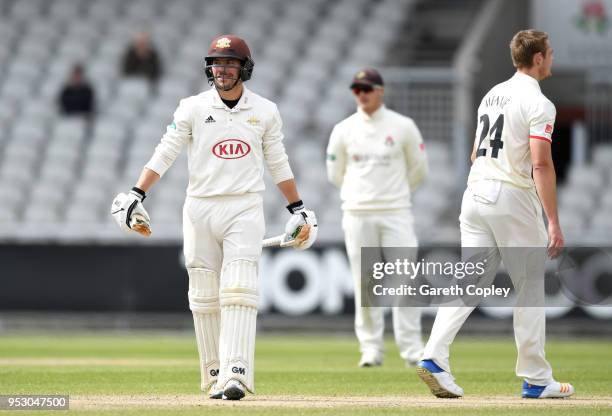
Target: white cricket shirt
<point>226,147</point>
<point>510,115</point>
<point>376,160</point>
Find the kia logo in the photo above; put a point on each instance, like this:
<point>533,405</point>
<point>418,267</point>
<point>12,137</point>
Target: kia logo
<point>231,149</point>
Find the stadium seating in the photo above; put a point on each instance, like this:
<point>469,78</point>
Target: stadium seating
<point>585,201</point>
<point>52,168</point>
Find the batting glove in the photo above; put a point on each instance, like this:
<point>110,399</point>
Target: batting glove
<point>130,214</point>
<point>302,226</point>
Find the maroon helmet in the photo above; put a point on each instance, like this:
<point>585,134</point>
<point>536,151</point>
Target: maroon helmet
<point>230,46</point>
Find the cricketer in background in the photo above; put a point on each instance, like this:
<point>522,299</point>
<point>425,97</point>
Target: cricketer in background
<point>502,209</point>
<point>377,157</point>
<point>229,132</point>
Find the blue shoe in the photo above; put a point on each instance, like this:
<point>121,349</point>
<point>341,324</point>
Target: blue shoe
<point>441,383</point>
<point>554,390</point>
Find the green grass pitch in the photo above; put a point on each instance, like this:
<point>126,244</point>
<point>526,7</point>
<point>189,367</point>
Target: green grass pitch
<point>157,374</point>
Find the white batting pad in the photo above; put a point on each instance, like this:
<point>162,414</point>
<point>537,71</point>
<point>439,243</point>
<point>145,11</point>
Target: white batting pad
<point>204,304</point>
<point>238,297</point>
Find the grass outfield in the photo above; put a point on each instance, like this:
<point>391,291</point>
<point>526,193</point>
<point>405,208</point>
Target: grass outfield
<point>157,373</point>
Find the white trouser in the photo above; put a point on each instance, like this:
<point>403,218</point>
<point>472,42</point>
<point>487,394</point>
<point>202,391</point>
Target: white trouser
<point>514,219</point>
<point>376,229</point>
<point>222,242</point>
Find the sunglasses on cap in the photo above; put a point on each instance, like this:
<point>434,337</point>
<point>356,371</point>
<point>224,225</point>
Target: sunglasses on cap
<point>362,88</point>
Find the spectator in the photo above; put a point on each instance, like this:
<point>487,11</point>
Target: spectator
<point>77,96</point>
<point>141,59</point>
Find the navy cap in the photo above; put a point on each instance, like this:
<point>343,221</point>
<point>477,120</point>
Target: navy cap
<point>368,76</point>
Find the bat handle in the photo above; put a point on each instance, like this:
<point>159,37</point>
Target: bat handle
<point>277,241</point>
<point>272,241</point>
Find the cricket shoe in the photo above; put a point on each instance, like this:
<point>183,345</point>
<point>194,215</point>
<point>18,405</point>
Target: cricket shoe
<point>233,390</point>
<point>215,392</point>
<point>370,359</point>
<point>440,382</point>
<point>554,390</point>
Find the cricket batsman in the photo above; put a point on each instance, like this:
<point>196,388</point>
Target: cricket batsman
<point>377,157</point>
<point>229,133</point>
<point>502,211</point>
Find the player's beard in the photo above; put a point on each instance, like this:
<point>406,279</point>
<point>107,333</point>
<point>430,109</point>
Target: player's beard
<point>225,86</point>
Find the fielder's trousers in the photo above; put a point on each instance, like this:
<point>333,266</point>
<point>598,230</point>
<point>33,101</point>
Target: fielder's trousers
<point>503,218</point>
<point>382,229</point>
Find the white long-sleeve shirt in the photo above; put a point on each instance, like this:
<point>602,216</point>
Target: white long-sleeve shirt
<point>510,115</point>
<point>226,147</point>
<point>376,160</point>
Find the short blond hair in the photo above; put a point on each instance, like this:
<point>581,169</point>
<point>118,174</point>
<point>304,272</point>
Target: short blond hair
<point>525,44</point>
